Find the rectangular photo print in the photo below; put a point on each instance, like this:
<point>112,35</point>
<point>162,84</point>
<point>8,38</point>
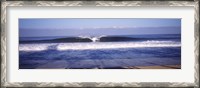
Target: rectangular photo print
<point>99,43</point>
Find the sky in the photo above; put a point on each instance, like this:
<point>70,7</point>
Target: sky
<point>37,27</point>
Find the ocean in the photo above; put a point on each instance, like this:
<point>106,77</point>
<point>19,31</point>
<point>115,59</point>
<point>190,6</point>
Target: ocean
<point>99,52</point>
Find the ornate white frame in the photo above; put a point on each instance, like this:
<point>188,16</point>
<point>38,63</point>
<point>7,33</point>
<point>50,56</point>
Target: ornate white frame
<point>6,4</point>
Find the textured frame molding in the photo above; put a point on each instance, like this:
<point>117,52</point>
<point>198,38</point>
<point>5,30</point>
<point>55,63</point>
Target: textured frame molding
<point>5,4</point>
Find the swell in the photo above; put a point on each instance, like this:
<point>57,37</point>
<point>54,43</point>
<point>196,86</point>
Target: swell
<point>93,39</point>
<point>118,38</point>
<point>58,40</point>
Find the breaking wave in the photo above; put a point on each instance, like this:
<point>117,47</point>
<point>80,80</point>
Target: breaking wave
<point>97,45</point>
<point>102,38</point>
<point>93,38</point>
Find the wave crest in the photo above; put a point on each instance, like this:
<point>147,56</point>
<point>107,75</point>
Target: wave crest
<point>93,38</point>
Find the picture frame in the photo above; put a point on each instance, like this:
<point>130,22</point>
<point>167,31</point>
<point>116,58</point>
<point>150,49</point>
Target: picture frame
<point>4,45</point>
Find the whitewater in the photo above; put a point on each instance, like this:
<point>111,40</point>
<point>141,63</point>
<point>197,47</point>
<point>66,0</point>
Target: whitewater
<point>96,45</point>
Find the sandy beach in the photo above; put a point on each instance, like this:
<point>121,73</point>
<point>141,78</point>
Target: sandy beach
<point>156,67</point>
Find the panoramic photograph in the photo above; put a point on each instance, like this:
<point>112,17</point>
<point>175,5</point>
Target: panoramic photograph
<point>99,43</point>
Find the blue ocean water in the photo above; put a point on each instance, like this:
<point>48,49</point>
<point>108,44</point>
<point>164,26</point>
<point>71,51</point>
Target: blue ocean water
<point>102,52</point>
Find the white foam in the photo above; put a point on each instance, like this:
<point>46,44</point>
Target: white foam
<point>33,47</point>
<point>96,45</point>
<point>112,45</point>
<point>94,38</point>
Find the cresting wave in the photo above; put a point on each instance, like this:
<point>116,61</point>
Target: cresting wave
<point>102,38</point>
<point>93,39</point>
<point>96,45</point>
